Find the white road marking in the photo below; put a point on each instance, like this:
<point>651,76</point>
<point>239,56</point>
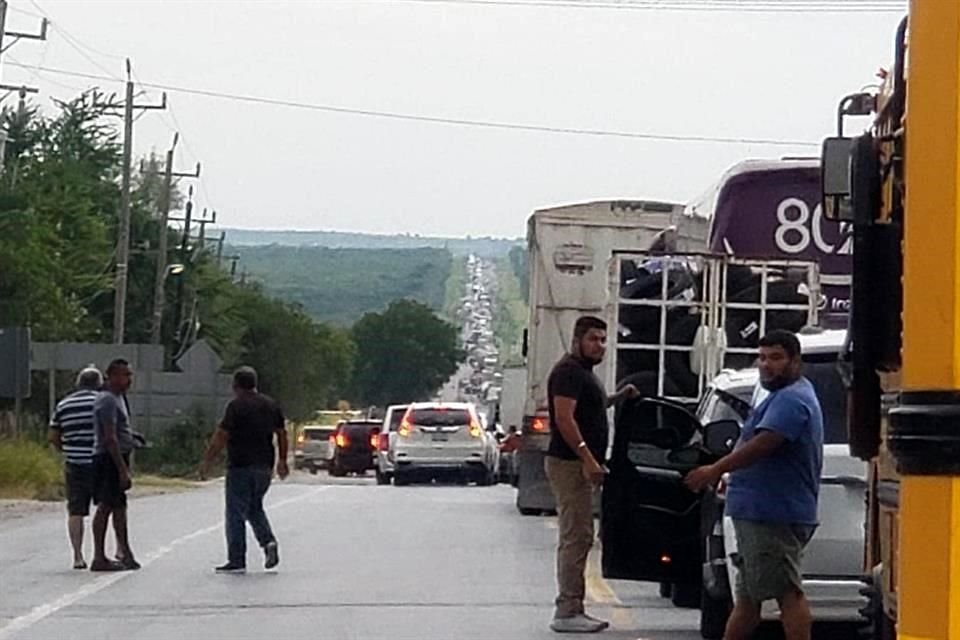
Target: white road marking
<point>102,582</point>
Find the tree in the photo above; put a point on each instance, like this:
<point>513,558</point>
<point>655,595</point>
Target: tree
<point>403,354</point>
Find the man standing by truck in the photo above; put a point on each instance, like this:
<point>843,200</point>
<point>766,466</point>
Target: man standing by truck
<point>578,445</point>
<point>773,491</point>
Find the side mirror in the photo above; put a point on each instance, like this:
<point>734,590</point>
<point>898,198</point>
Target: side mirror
<point>721,436</point>
<point>835,179</point>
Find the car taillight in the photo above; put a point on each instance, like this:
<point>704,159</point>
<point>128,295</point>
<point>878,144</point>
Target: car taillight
<point>539,425</point>
<point>342,440</point>
<point>384,444</point>
<point>475,429</point>
<point>374,440</point>
<point>301,439</point>
<point>405,428</point>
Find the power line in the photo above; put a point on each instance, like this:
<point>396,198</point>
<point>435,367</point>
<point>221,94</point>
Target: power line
<point>465,122</point>
<point>74,43</point>
<point>746,6</point>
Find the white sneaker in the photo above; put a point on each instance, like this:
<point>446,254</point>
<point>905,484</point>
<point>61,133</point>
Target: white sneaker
<point>578,624</point>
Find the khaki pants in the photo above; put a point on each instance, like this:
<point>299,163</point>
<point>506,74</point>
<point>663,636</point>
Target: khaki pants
<point>574,496</point>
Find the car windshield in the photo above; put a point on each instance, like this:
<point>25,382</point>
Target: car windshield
<point>440,417</point>
<point>318,433</point>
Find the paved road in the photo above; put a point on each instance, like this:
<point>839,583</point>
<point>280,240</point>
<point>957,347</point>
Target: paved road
<point>358,562</point>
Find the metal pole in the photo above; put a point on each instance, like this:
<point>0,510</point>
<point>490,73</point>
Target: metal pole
<point>161,275</point>
<point>184,244</point>
<point>123,233</point>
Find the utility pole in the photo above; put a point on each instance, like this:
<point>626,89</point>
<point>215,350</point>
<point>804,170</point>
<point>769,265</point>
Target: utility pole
<point>223,238</point>
<point>185,261</point>
<point>203,228</point>
<point>16,37</point>
<point>123,229</point>
<point>161,276</point>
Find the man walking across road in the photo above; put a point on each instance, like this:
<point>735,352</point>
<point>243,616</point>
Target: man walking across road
<point>71,432</point>
<point>773,490</point>
<point>578,444</point>
<point>113,442</point>
<point>249,424</point>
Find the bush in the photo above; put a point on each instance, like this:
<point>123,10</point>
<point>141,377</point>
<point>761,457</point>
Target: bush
<point>29,470</point>
<point>177,450</point>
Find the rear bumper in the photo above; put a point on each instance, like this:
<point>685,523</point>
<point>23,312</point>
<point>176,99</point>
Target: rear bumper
<point>408,464</point>
<point>307,459</point>
<point>831,600</point>
<point>354,461</point>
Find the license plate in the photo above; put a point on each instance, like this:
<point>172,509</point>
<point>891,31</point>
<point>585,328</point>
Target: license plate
<point>439,438</point>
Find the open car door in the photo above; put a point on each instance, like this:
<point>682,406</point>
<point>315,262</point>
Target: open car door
<point>650,527</point>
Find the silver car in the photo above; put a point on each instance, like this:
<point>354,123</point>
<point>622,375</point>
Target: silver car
<point>388,437</point>
<point>833,561</point>
<point>313,450</point>
<point>437,440</point>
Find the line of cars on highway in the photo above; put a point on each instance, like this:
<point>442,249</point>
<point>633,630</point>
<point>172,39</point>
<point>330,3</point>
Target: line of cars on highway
<point>419,442</point>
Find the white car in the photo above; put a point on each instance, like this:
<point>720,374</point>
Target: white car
<point>436,440</point>
<point>388,436</point>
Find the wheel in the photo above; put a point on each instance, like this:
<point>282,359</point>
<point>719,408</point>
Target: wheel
<point>382,478</point>
<point>665,589</point>
<point>686,595</point>
<point>313,469</point>
<point>400,479</point>
<point>486,478</point>
<point>879,625</point>
<point>528,511</point>
<point>336,470</point>
<point>713,616</point>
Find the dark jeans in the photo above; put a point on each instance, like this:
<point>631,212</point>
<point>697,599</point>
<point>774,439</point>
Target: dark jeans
<point>246,487</point>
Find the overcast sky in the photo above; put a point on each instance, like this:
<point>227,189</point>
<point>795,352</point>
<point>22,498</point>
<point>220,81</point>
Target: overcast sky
<point>701,73</point>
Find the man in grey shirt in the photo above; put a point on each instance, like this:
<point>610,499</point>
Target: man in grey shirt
<point>113,442</point>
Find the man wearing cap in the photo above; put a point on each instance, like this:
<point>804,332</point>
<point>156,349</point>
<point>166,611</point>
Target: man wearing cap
<point>71,432</point>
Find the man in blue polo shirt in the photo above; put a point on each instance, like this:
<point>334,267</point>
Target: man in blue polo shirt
<point>773,490</point>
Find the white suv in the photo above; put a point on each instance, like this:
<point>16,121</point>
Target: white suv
<point>437,439</point>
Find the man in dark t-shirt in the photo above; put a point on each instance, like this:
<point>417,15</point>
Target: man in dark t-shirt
<point>247,429</point>
<point>578,445</point>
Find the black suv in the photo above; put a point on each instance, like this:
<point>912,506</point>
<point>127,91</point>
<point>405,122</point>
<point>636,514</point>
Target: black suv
<point>355,447</point>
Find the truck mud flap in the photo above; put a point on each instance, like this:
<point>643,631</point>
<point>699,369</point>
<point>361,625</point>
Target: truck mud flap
<point>533,489</point>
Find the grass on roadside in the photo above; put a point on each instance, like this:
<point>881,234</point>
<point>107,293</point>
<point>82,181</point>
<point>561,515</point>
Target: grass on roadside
<point>29,471</point>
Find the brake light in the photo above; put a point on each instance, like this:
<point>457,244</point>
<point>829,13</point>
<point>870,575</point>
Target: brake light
<point>375,440</point>
<point>665,559</point>
<point>332,440</point>
<point>384,444</point>
<point>475,429</point>
<point>301,439</point>
<point>539,425</point>
<point>342,440</point>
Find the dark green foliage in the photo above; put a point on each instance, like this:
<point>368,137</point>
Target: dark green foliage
<point>403,354</point>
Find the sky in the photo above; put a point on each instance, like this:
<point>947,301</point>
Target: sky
<point>728,74</point>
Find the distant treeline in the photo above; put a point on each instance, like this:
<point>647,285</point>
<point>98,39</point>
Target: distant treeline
<point>484,247</point>
<point>340,285</point>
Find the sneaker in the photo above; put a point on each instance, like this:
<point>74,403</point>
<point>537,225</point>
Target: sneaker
<point>231,567</point>
<point>105,565</point>
<point>271,555</point>
<point>578,624</point>
<point>589,617</point>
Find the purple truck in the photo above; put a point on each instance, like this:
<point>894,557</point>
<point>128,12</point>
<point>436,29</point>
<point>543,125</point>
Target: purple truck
<point>771,209</point>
